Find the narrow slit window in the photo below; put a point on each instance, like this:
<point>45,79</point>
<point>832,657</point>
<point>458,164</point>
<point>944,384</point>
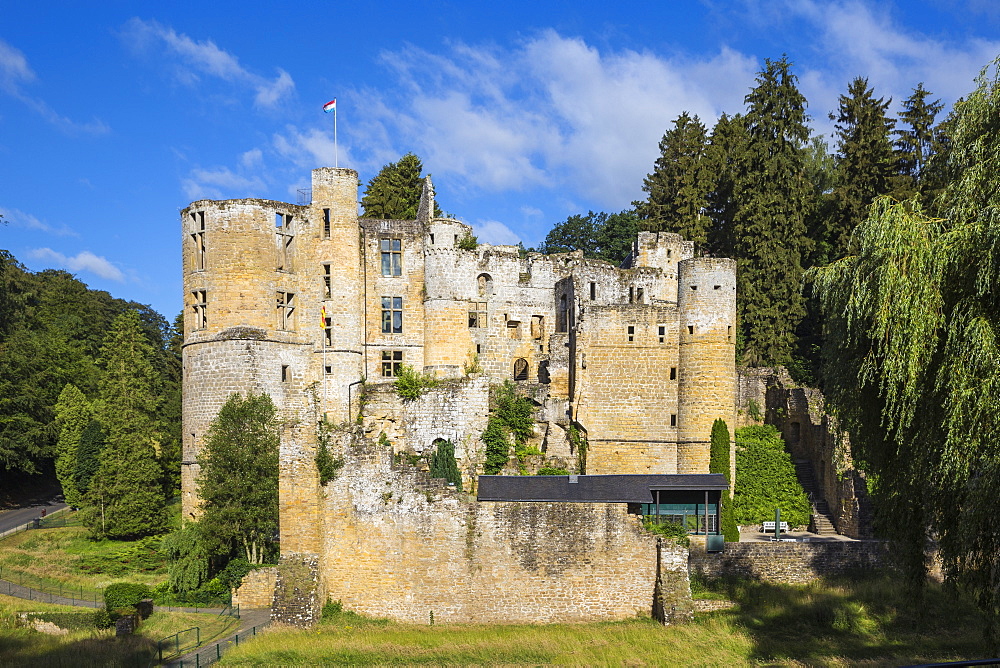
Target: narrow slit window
<point>392,315</point>
<point>631,332</point>
<point>285,304</point>
<point>200,307</point>
<point>631,295</point>
<point>285,374</point>
<point>432,239</point>
<point>673,373</point>
<point>392,360</point>
<point>326,223</point>
<point>690,329</point>
<point>327,332</point>
<point>729,333</point>
<point>392,257</point>
<point>661,333</point>
<point>327,284</point>
<point>639,292</point>
<point>673,419</point>
<point>593,291</point>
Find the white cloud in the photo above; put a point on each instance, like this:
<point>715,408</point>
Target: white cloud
<point>15,73</point>
<point>308,149</point>
<point>252,158</point>
<point>220,183</point>
<point>197,59</point>
<point>82,261</point>
<point>551,112</point>
<point>495,232</point>
<point>27,221</point>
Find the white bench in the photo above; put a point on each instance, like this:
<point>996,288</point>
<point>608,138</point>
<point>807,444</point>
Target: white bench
<point>768,527</point>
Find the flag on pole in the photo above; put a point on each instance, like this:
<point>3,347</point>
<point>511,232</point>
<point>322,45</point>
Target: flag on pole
<point>330,106</point>
<point>322,314</point>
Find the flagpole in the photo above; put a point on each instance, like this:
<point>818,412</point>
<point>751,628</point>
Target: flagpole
<point>336,153</point>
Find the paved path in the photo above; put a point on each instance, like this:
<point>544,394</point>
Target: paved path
<point>13,589</point>
<point>207,654</point>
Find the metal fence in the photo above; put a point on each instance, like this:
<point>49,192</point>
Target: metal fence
<point>25,585</point>
<point>209,655</point>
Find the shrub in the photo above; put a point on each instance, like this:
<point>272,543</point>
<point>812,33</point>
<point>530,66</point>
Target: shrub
<point>719,462</point>
<point>331,609</point>
<point>412,384</point>
<point>672,530</point>
<point>443,464</point>
<point>103,619</point>
<point>497,446</point>
<point>121,595</point>
<point>140,556</point>
<point>765,479</point>
<point>232,575</point>
<point>550,470</point>
<point>514,415</point>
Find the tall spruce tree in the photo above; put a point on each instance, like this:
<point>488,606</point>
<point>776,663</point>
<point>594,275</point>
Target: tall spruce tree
<point>865,160</point>
<point>73,414</point>
<point>772,196</point>
<point>126,494</point>
<point>915,143</point>
<point>726,157</point>
<point>394,193</point>
<point>238,483</point>
<point>680,183</point>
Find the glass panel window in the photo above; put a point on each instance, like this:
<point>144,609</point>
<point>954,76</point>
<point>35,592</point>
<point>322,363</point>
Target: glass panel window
<point>392,315</point>
<point>392,257</point>
<point>391,361</point>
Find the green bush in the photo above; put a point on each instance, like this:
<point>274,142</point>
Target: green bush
<point>443,464</point>
<point>331,609</point>
<point>120,595</point>
<point>765,479</point>
<point>71,621</point>
<point>103,619</point>
<point>412,384</point>
<point>551,470</point>
<point>468,242</point>
<point>140,556</point>
<point>672,530</point>
<point>512,415</point>
<point>232,575</point>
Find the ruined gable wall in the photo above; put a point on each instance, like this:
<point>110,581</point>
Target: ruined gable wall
<point>397,547</point>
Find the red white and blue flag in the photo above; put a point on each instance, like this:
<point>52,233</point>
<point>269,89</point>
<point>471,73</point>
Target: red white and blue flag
<point>330,106</point>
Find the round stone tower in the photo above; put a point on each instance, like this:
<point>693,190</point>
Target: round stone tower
<point>706,302</point>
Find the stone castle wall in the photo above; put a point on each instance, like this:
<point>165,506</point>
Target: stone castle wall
<point>400,546</point>
<point>791,563</point>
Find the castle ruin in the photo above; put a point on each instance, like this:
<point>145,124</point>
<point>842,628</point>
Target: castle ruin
<point>320,309</point>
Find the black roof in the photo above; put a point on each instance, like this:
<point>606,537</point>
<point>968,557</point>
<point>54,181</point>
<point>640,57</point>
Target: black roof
<point>635,488</point>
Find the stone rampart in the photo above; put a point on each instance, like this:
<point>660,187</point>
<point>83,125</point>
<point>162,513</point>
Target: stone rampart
<point>256,591</point>
<point>790,563</point>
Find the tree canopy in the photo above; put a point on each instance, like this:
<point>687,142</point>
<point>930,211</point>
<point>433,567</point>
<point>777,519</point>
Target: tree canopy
<point>394,193</point>
<point>603,236</point>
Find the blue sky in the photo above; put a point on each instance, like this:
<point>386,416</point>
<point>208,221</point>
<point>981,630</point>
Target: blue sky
<point>115,116</point>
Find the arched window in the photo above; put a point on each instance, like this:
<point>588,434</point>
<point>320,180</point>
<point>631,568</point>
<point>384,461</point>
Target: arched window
<point>485,284</point>
<point>520,369</point>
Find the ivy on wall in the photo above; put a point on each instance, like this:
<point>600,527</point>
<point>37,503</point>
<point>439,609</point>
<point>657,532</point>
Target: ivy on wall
<point>765,479</point>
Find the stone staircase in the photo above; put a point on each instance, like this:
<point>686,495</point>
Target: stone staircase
<point>822,521</point>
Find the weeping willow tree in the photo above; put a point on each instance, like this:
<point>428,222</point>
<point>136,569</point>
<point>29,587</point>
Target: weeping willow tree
<point>913,320</point>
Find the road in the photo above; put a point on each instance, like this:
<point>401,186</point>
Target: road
<point>10,519</point>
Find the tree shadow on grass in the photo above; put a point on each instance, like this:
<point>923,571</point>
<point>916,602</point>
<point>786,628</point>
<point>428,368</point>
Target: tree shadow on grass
<point>30,649</point>
<point>855,618</point>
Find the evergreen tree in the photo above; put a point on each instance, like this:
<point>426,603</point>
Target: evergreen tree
<point>443,464</point>
<point>680,183</point>
<point>915,143</point>
<point>939,170</point>
<point>726,157</point>
<point>73,414</point>
<point>238,483</point>
<point>772,197</point>
<point>394,193</point>
<point>865,160</point>
<point>88,456</point>
<point>720,462</point>
<point>127,493</point>
<point>170,421</point>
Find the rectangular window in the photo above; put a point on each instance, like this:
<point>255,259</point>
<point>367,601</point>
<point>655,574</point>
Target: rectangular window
<point>392,315</point>
<point>729,333</point>
<point>593,291</point>
<point>631,332</point>
<point>285,304</point>
<point>673,373</point>
<point>285,375</point>
<point>200,307</point>
<point>198,218</point>
<point>326,223</point>
<point>391,361</point>
<point>673,419</point>
<point>537,326</point>
<point>661,332</point>
<point>631,294</point>
<point>327,286</point>
<point>285,240</point>
<point>327,332</point>
<point>477,314</point>
<point>639,293</point>
<point>392,257</point>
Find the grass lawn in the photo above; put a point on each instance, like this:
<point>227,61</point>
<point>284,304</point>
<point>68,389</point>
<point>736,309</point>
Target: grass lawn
<point>20,646</point>
<point>65,557</point>
<point>847,622</point>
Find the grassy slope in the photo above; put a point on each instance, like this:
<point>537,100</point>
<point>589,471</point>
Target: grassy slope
<point>838,623</point>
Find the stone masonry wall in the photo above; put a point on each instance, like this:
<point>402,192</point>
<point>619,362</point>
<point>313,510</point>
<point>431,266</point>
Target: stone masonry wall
<point>400,548</point>
<point>256,592</point>
<point>790,563</point>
